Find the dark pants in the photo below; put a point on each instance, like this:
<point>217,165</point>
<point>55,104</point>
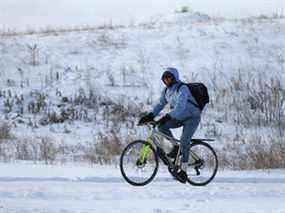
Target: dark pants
<point>189,128</point>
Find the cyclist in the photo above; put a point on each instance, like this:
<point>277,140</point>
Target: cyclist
<point>183,113</point>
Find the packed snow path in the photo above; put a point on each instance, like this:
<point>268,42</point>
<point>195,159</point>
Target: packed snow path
<point>70,189</point>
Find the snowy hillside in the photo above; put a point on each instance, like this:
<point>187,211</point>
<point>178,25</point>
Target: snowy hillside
<point>72,90</point>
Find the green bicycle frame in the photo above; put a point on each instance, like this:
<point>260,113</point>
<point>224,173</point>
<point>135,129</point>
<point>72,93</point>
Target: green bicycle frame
<point>145,151</point>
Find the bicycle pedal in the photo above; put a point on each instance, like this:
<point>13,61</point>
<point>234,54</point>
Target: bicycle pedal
<point>197,171</point>
<point>180,175</point>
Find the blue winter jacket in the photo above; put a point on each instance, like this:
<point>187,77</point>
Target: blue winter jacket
<point>179,100</point>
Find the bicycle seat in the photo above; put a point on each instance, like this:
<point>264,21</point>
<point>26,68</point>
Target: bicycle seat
<point>201,139</point>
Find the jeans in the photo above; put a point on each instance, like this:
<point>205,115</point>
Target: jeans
<point>189,128</point>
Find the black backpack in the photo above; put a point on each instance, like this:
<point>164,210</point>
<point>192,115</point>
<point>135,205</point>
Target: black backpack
<point>199,91</point>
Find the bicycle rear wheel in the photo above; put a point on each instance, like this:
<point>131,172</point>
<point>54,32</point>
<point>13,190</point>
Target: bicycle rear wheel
<point>139,163</point>
<point>202,164</point>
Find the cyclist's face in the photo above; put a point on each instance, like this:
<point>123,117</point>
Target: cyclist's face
<point>167,80</point>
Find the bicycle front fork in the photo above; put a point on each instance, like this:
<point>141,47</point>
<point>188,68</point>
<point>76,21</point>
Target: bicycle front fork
<point>144,153</point>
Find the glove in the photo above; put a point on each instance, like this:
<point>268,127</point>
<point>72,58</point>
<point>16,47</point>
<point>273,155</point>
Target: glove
<point>147,118</point>
<point>164,119</point>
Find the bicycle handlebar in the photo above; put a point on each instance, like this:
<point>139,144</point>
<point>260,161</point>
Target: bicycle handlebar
<point>151,124</point>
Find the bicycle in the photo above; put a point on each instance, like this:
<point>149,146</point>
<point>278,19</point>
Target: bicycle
<point>139,160</point>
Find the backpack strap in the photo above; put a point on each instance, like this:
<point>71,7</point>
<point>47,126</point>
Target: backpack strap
<point>177,89</point>
<point>164,93</point>
<point>179,86</point>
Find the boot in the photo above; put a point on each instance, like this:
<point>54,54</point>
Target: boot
<point>173,152</point>
<point>181,176</point>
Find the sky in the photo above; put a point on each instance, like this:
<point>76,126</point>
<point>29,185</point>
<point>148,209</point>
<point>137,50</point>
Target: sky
<point>33,14</point>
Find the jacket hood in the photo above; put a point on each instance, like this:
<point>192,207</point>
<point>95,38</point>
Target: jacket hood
<point>173,72</point>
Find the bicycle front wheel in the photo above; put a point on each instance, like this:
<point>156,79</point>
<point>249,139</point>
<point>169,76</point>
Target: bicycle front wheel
<point>139,163</point>
<point>202,164</point>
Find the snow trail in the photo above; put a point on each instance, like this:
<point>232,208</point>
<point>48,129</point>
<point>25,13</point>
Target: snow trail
<point>102,189</point>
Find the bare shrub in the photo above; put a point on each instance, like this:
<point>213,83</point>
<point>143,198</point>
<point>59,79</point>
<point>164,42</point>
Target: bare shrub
<point>271,157</point>
<point>5,131</point>
<point>255,154</point>
<point>118,113</point>
<point>184,9</point>
<point>106,40</point>
<point>34,54</point>
<point>5,146</point>
<point>279,14</point>
<point>91,153</point>
<point>34,149</point>
<point>8,105</point>
<point>67,113</point>
<point>252,99</point>
<point>48,150</point>
<point>37,103</point>
<point>259,102</point>
<point>111,79</point>
<point>83,104</point>
<point>23,149</point>
<point>111,144</point>
<point>104,150</point>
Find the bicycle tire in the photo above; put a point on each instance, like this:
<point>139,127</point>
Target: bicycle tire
<point>215,169</point>
<point>122,168</point>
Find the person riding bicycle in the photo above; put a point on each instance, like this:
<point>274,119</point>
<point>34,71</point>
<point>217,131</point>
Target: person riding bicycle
<point>184,113</point>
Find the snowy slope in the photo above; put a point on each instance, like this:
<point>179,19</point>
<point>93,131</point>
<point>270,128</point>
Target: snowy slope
<point>78,189</point>
<point>122,66</point>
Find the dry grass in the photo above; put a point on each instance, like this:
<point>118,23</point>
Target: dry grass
<point>256,154</point>
<point>251,154</point>
<point>110,26</point>
<point>60,30</point>
<point>251,99</point>
<point>106,149</point>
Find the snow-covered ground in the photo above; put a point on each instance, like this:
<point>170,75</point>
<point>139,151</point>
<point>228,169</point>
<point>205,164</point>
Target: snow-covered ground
<point>55,72</point>
<point>28,188</point>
